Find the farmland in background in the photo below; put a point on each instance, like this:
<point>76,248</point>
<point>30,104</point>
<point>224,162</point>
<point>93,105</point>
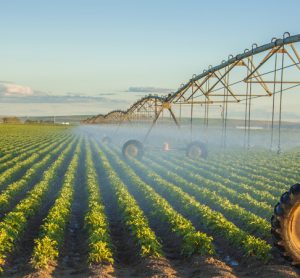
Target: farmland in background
<point>70,205</point>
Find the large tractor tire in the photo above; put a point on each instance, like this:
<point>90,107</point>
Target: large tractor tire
<point>196,150</point>
<point>133,149</point>
<point>286,225</point>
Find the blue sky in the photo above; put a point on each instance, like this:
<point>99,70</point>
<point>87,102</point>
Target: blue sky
<point>90,52</point>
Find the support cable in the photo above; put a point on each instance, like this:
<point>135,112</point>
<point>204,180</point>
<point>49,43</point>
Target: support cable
<point>246,108</point>
<point>205,106</point>
<point>226,113</point>
<point>180,112</point>
<point>249,108</point>
<point>207,109</point>
<point>192,112</point>
<point>280,103</point>
<point>273,104</point>
<point>223,116</point>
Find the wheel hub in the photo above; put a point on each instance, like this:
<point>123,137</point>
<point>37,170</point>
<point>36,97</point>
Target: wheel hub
<point>195,152</point>
<point>132,151</point>
<point>294,228</point>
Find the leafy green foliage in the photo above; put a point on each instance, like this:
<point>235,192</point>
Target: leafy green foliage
<point>193,242</point>
<point>14,223</point>
<point>216,200</point>
<point>17,187</point>
<point>212,220</point>
<point>100,246</point>
<point>132,216</point>
<point>53,230</point>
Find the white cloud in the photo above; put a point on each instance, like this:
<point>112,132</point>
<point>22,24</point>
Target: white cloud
<point>15,93</point>
<point>142,89</point>
<point>22,100</point>
<point>11,89</point>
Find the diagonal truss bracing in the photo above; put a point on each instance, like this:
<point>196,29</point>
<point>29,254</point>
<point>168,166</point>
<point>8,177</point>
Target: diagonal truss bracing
<point>255,73</point>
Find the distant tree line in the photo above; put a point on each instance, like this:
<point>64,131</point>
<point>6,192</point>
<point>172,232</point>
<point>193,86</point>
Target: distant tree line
<point>11,120</point>
<point>28,121</point>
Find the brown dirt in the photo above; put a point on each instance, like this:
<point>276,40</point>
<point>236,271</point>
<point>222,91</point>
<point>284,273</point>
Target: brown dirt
<point>266,271</point>
<point>195,267</point>
<point>73,256</point>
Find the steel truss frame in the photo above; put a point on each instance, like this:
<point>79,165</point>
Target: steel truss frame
<point>253,74</point>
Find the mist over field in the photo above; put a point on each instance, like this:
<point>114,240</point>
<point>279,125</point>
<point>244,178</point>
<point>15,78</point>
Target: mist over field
<point>214,136</point>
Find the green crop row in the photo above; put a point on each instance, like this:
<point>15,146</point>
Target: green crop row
<point>259,194</point>
<point>132,216</point>
<point>15,222</point>
<point>96,223</point>
<point>263,170</point>
<point>237,175</point>
<point>13,151</point>
<point>216,200</point>
<point>16,188</point>
<point>10,174</point>
<point>21,155</point>
<point>193,242</point>
<point>13,145</point>
<point>211,220</point>
<point>47,245</point>
<point>17,141</point>
<point>244,200</point>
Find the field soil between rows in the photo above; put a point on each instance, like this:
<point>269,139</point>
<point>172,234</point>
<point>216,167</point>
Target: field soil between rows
<point>195,267</point>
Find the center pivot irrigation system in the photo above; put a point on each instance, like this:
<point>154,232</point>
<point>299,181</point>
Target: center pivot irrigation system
<point>265,71</point>
<point>259,72</point>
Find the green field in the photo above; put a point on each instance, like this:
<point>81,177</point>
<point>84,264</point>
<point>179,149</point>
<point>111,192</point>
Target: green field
<point>70,205</point>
